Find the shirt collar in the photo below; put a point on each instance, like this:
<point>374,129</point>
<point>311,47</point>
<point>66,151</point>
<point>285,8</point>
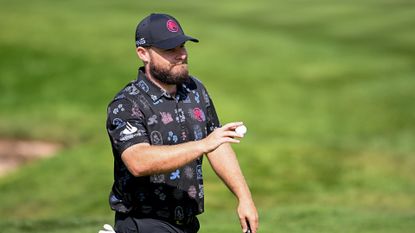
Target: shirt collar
<point>155,92</point>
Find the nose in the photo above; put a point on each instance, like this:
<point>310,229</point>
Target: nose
<point>182,53</point>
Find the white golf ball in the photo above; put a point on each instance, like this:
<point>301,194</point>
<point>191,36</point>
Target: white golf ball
<point>108,227</point>
<point>241,130</point>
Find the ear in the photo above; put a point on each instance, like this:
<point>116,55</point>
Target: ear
<point>143,54</point>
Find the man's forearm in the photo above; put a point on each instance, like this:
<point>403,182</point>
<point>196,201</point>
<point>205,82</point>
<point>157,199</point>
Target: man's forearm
<point>144,159</point>
<point>224,162</point>
<point>226,166</point>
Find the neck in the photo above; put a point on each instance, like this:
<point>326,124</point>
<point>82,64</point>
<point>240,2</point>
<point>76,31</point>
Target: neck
<point>169,88</point>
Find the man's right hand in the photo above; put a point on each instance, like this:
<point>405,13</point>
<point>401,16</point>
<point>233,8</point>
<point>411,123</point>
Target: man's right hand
<point>107,229</point>
<point>224,134</point>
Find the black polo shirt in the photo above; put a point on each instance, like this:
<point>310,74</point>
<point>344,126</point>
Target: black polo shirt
<point>142,112</point>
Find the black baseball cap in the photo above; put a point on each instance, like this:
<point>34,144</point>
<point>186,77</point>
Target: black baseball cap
<point>161,31</point>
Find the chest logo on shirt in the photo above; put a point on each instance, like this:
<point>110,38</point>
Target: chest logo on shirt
<point>166,117</point>
<point>197,114</point>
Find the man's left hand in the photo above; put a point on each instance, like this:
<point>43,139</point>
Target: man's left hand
<point>248,216</point>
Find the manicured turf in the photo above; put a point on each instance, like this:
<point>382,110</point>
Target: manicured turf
<point>326,89</point>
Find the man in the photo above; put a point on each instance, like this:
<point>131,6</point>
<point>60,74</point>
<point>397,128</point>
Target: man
<point>160,126</point>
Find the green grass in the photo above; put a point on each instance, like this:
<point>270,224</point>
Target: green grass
<point>326,89</point>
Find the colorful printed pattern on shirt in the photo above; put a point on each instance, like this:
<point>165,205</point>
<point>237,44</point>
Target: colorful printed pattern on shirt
<point>142,112</point>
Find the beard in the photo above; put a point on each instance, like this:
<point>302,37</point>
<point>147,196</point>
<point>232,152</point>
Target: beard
<point>167,76</point>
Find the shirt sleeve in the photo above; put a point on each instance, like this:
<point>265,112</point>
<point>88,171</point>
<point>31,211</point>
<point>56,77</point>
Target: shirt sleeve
<point>212,118</point>
<point>125,125</point>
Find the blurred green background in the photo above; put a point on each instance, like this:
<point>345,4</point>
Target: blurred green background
<point>326,89</point>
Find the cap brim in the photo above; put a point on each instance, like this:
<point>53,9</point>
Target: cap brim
<point>174,42</point>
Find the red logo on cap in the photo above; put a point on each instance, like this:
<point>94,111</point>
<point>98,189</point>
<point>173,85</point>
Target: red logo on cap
<point>172,26</point>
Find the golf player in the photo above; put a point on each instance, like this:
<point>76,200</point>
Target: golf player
<point>160,126</point>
